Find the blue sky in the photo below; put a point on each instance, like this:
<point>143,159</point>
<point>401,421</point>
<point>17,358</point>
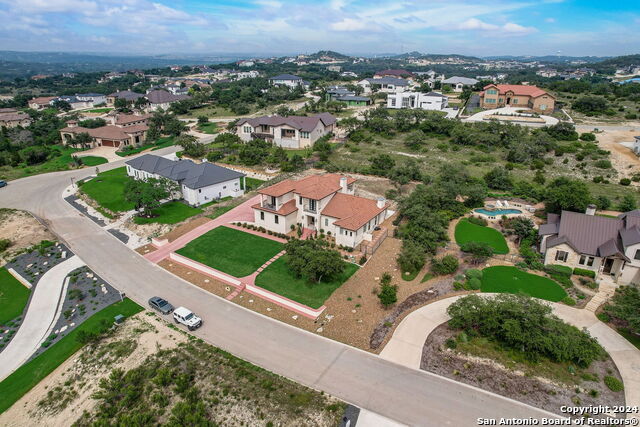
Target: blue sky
<point>479,27</point>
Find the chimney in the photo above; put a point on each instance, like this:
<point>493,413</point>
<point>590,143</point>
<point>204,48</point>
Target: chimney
<point>380,202</point>
<point>591,210</point>
<point>72,123</point>
<point>343,183</point>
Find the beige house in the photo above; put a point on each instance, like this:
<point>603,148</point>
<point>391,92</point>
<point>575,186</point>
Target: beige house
<point>41,103</point>
<point>12,119</point>
<point>324,203</point>
<point>126,130</point>
<point>497,96</point>
<point>608,246</point>
<point>287,132</point>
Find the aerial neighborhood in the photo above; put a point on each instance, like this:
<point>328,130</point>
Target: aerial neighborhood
<point>347,223</point>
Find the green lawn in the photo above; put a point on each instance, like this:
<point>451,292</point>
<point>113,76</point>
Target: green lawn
<point>13,297</point>
<point>231,251</point>
<point>209,128</point>
<point>93,160</point>
<point>59,159</point>
<point>304,153</point>
<point>219,211</point>
<point>468,232</point>
<point>504,279</point>
<point>28,375</point>
<point>252,183</point>
<point>160,143</point>
<point>278,278</point>
<point>100,110</point>
<point>169,213</point>
<point>107,189</point>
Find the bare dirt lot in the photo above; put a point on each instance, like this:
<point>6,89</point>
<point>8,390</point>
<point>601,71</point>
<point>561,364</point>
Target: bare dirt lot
<point>560,385</point>
<point>623,159</point>
<point>62,396</point>
<point>22,229</point>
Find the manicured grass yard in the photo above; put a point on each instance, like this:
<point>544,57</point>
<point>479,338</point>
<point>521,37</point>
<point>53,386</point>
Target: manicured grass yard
<point>278,278</point>
<point>100,110</point>
<point>468,232</point>
<point>252,183</point>
<point>13,297</point>
<point>504,279</point>
<point>28,375</point>
<point>169,213</point>
<point>93,160</point>
<point>107,189</point>
<point>231,251</point>
<point>209,128</point>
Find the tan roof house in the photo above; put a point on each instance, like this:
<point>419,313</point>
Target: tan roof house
<point>497,96</point>
<point>324,203</point>
<point>126,130</point>
<point>286,132</point>
<point>41,103</point>
<point>14,119</point>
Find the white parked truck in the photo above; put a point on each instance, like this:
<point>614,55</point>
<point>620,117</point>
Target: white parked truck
<point>187,317</point>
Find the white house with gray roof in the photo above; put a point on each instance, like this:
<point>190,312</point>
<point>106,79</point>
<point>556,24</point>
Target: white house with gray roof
<point>384,84</point>
<point>199,183</point>
<point>458,83</point>
<point>289,80</point>
<point>608,246</point>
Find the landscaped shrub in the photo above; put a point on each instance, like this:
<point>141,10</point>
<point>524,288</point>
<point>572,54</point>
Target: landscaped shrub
<point>477,221</point>
<point>625,181</point>
<point>448,264</point>
<point>479,250</point>
<point>569,301</point>
<point>562,270</point>
<point>526,326</point>
<point>474,283</point>
<point>362,260</point>
<point>613,383</point>
<point>388,295</point>
<point>584,272</point>
<point>473,273</point>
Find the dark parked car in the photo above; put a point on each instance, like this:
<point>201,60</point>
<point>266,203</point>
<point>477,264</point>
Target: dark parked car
<point>3,183</point>
<point>161,305</point>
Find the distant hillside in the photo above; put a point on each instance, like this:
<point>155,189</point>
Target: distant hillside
<point>548,58</point>
<point>621,61</point>
<point>434,56</point>
<point>25,64</point>
<point>330,54</point>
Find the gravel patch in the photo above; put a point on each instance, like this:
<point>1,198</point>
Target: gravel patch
<point>119,235</point>
<point>73,201</point>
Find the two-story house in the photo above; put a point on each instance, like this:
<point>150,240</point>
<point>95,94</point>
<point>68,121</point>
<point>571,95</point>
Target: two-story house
<point>418,100</point>
<point>125,131</point>
<point>199,183</point>
<point>324,203</point>
<point>608,246</point>
<point>290,81</point>
<point>41,102</point>
<point>525,96</point>
<point>288,132</point>
<point>384,84</point>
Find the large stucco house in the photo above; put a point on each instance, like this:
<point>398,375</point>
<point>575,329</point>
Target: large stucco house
<point>40,103</point>
<point>199,183</point>
<point>526,96</point>
<point>11,118</point>
<point>608,246</point>
<point>418,100</point>
<point>289,80</point>
<point>321,202</point>
<point>458,83</point>
<point>384,84</point>
<point>288,132</point>
<point>124,131</point>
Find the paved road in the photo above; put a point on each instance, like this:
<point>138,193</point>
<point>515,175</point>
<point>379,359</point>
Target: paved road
<point>40,318</point>
<point>407,395</point>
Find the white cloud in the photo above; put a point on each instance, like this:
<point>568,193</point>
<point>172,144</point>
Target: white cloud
<point>508,28</point>
<point>550,20</point>
<point>348,24</point>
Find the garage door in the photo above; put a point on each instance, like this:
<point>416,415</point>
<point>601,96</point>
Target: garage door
<point>110,143</point>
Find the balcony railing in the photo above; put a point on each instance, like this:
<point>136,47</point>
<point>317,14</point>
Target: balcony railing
<point>308,209</point>
<point>268,206</point>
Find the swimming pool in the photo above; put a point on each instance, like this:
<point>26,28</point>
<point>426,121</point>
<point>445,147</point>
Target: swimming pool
<point>498,212</point>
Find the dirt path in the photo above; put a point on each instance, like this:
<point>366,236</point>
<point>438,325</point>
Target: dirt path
<point>625,161</point>
<point>77,378</point>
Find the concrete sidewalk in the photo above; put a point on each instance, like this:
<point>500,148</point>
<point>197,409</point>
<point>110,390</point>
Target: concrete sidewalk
<point>405,346</point>
<point>41,313</point>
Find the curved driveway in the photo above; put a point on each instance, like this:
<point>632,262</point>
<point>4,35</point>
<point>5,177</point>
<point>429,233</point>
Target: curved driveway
<point>407,342</point>
<point>407,395</point>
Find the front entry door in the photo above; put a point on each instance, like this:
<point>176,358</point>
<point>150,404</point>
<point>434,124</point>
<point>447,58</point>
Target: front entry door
<point>608,263</point>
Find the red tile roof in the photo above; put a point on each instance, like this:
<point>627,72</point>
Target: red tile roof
<point>286,209</point>
<point>525,90</point>
<point>42,100</point>
<point>352,212</point>
<point>312,187</point>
